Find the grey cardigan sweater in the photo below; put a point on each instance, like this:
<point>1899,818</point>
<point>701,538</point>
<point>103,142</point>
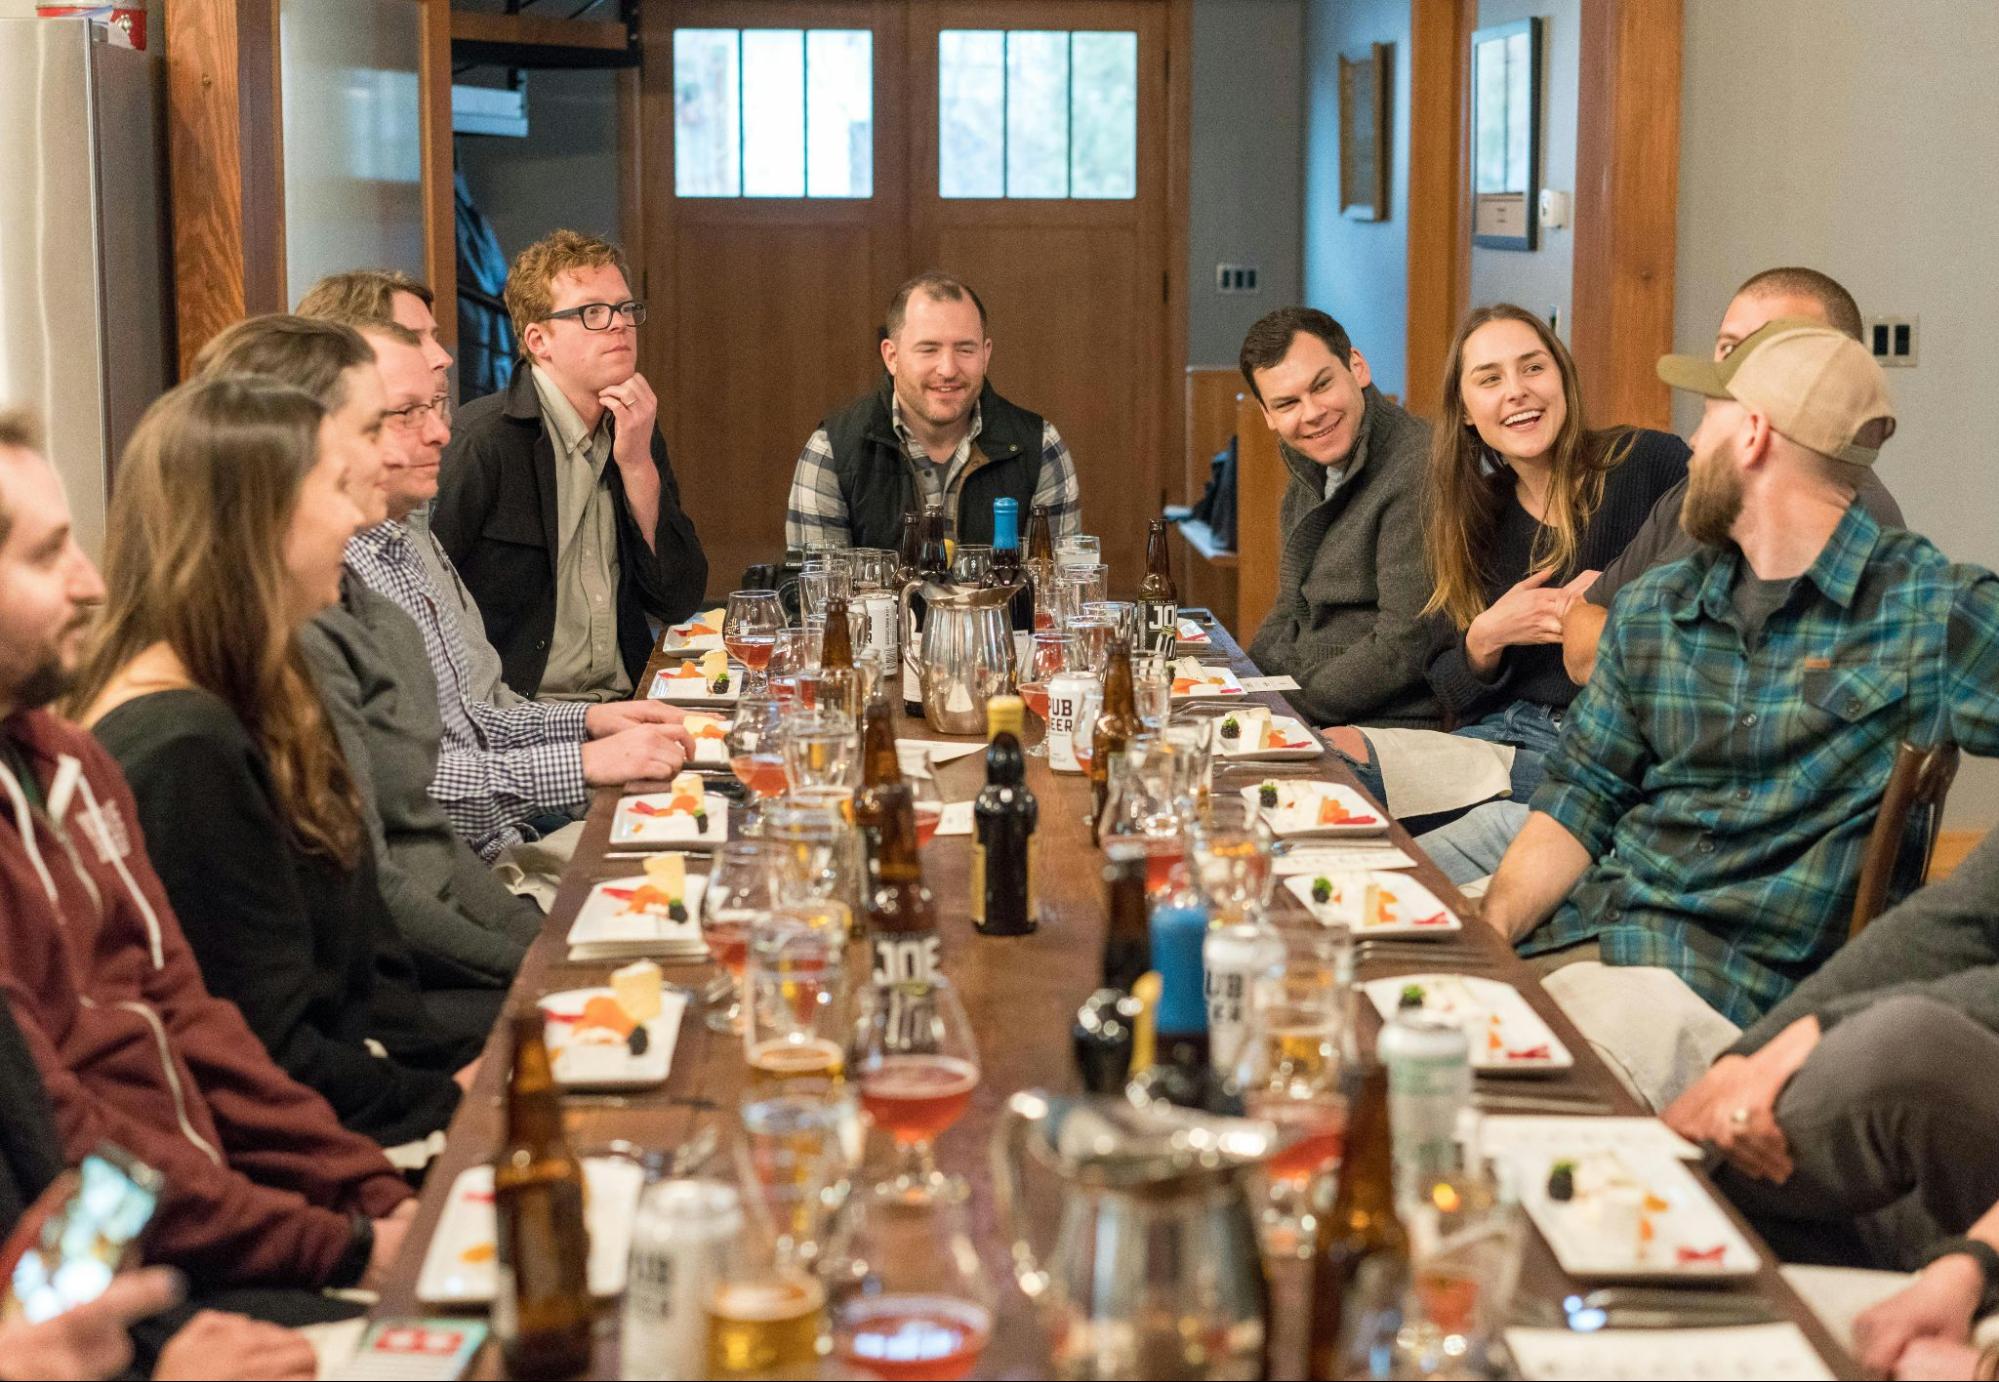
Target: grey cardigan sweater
<point>463,928</point>
<point>1351,580</point>
<point>1942,942</point>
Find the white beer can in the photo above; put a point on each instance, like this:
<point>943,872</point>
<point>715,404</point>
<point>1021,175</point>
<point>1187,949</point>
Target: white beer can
<point>1065,698</point>
<point>1428,1059</point>
<point>884,625</point>
<point>1231,959</point>
<point>678,1239</point>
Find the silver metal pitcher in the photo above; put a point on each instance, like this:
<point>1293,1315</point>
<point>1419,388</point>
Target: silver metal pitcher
<point>1154,1271</point>
<point>967,656</point>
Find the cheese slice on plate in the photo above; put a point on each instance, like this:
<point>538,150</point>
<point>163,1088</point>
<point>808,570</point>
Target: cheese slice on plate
<point>639,990</point>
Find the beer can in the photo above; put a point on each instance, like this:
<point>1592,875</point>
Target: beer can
<point>1065,698</point>
<point>1428,1059</point>
<point>884,624</point>
<point>1231,959</point>
<point>678,1239</point>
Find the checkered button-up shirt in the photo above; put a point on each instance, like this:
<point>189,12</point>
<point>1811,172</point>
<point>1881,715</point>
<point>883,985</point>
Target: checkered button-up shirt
<point>497,768</point>
<point>817,513</point>
<point>1726,793</point>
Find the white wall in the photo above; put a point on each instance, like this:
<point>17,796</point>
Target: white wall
<point>1863,140</point>
<point>1244,167</point>
<point>1358,271</point>
<point>1539,279</point>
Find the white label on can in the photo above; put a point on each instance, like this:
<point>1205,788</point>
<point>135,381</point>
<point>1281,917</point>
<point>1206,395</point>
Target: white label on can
<point>1231,959</point>
<point>883,626</point>
<point>1065,694</point>
<point>1429,1083</point>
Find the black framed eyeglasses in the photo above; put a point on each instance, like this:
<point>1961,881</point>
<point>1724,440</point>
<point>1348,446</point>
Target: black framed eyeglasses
<point>597,316</point>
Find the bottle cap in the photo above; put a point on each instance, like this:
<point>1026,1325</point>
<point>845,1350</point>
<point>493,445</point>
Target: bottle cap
<point>1005,714</point>
<point>1006,524</point>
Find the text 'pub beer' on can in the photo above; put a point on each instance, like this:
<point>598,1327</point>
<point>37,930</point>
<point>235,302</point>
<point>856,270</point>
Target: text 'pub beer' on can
<point>1065,698</point>
<point>678,1239</point>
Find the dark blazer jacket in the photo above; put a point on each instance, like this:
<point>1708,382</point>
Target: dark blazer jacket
<point>496,516</point>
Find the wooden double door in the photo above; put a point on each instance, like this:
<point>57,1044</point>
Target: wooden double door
<point>765,311</point>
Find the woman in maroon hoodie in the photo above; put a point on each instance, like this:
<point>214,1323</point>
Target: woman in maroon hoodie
<point>262,1184</point>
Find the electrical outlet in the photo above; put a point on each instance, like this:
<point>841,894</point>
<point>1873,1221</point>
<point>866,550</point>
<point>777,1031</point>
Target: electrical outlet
<point>1893,341</point>
<point>1235,278</point>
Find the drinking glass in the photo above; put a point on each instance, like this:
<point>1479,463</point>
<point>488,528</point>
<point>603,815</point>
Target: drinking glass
<point>874,569</point>
<point>1089,709</point>
<point>1091,581</point>
<point>1152,689</point>
<point>756,753</point>
<point>906,1293</point>
<point>1048,657</point>
<point>798,1012</point>
<point>740,892</point>
<point>1122,615</point>
<point>1195,741</point>
<point>970,564</point>
<point>791,653</point>
<point>1093,640</point>
<point>1078,549</point>
<point>749,632</point>
<point>917,1063</point>
<point>1466,1236</point>
<point>815,851</point>
<point>791,1157</point>
<point>926,804</point>
<point>1141,813</point>
<point>1289,1074</point>
<point>766,1315</point>
<point>1231,845</point>
<point>821,748</point>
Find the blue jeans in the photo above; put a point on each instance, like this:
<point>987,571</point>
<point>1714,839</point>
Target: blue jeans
<point>1471,846</point>
<point>1531,728</point>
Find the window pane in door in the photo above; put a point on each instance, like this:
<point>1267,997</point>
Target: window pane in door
<point>971,113</point>
<point>773,112</point>
<point>1103,140</point>
<point>839,113</point>
<point>1037,114</point>
<point>707,146</point>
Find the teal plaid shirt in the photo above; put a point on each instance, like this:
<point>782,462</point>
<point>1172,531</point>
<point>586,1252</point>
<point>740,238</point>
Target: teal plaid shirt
<point>1726,795</point>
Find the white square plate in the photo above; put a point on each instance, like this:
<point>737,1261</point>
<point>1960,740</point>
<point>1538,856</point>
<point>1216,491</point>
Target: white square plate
<point>1634,1217</point>
<point>694,690</point>
<point>602,1065</point>
<point>1295,742</point>
<point>460,1267</point>
<point>711,750</point>
<point>1375,903</point>
<point>1205,684</point>
<point>1505,1033</point>
<point>1191,634</point>
<point>633,825</point>
<point>1299,812</point>
<point>608,923</point>
<point>682,639</point>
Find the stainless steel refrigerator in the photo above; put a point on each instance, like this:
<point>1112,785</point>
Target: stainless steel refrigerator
<point>86,291</point>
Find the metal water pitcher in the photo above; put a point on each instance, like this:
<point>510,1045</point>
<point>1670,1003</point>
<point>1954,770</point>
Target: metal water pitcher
<point>967,654</point>
<point>1154,1271</point>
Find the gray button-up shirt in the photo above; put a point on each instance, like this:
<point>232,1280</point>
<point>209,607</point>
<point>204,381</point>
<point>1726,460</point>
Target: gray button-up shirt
<point>583,659</point>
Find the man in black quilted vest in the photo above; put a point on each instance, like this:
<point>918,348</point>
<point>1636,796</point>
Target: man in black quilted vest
<point>933,429</point>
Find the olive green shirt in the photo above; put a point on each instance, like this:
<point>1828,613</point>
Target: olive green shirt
<point>583,659</point>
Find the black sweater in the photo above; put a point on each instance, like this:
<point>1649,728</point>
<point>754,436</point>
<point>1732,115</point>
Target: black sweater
<point>303,946</point>
<point>1655,463</point>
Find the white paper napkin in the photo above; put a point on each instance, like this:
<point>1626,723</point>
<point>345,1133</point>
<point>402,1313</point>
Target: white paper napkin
<point>1739,1351</point>
<point>956,820</point>
<point>1269,683</point>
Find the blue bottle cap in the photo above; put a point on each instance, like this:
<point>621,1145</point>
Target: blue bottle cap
<point>1177,936</point>
<point>1006,524</point>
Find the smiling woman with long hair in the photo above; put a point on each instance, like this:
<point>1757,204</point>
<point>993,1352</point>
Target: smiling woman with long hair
<point>225,534</point>
<point>1527,504</point>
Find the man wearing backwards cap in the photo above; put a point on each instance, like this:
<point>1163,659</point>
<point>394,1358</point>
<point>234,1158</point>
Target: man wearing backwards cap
<point>1694,851</point>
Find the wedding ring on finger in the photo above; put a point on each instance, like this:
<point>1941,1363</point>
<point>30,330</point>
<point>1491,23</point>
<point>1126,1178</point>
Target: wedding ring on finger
<point>1739,1118</point>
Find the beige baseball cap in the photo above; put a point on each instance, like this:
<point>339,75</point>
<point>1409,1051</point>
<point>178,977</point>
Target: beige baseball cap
<point>1816,384</point>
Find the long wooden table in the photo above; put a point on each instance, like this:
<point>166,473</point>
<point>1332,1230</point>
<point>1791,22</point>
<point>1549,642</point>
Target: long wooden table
<point>1021,995</point>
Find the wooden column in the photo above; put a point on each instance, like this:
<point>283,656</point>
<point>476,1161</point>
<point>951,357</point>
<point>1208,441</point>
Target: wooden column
<point>440,206</point>
<point>1627,205</point>
<point>226,152</point>
<point>1439,203</point>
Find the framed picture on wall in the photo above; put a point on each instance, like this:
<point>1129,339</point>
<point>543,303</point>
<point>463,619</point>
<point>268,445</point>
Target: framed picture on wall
<point>1364,135</point>
<point>1506,134</point>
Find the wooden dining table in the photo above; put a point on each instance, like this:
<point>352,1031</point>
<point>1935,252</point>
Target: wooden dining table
<point>1021,995</point>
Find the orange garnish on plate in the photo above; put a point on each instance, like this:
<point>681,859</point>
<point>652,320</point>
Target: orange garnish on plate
<point>480,1252</point>
<point>608,1013</point>
<point>683,803</point>
<point>1655,1205</point>
<point>644,898</point>
<point>1182,685</point>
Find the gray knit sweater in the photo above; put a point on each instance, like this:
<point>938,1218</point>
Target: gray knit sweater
<point>1351,579</point>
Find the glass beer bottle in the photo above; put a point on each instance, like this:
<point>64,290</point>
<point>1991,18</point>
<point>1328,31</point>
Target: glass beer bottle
<point>902,915</point>
<point>542,1311</point>
<point>1115,728</point>
<point>1008,568</point>
<point>881,768</point>
<point>1158,596</point>
<point>1361,1229</point>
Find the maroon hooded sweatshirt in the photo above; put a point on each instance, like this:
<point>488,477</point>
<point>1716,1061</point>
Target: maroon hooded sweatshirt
<point>261,1180</point>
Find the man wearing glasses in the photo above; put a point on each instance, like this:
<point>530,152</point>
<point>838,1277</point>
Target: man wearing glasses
<point>556,499</point>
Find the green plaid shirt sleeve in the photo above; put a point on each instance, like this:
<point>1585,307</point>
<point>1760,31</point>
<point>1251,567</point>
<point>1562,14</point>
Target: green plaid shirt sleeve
<point>1726,792</point>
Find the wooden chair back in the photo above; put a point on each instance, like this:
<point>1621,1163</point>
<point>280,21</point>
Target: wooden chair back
<point>1904,838</point>
<point>1259,495</point>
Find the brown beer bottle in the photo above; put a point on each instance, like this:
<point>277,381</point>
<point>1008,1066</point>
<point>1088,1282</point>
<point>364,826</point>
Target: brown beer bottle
<point>1158,596</point>
<point>902,916</point>
<point>909,545</point>
<point>1040,535</point>
<point>542,1312</point>
<point>880,769</point>
<point>838,648</point>
<point>1361,1228</point>
<point>1114,729</point>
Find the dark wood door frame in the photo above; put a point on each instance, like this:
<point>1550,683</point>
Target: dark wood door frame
<point>1626,200</point>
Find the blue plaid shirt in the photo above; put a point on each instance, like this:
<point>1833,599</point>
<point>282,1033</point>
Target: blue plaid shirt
<point>1726,794</point>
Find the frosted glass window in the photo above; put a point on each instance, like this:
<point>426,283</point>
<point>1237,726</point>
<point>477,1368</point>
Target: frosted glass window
<point>1035,113</point>
<point>773,112</point>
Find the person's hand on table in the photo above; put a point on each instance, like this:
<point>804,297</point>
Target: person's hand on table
<point>1933,1358</point>
<point>1938,1305</point>
<point>389,1235</point>
<point>602,721</point>
<point>652,752</point>
<point>236,1348</point>
<point>1733,1107</point>
<point>89,1340</point>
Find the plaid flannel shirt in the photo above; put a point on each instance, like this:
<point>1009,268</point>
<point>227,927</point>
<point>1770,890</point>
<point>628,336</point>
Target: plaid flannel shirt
<point>1726,795</point>
<point>817,513</point>
<point>497,768</point>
